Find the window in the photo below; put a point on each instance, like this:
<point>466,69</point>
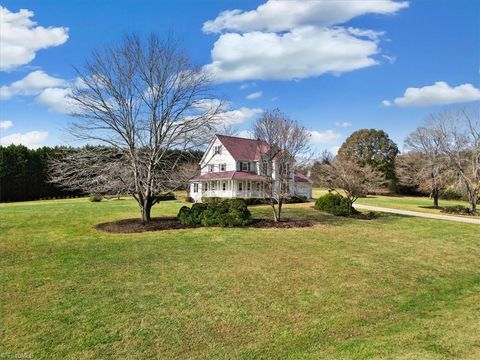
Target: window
<point>245,166</point>
<point>206,186</point>
<point>217,150</point>
<point>211,168</point>
<point>195,188</point>
<point>265,167</point>
<point>224,186</point>
<point>223,167</point>
<point>258,186</point>
<point>240,186</point>
<point>213,185</point>
<point>248,185</point>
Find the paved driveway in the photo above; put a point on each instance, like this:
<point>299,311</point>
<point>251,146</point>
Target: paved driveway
<point>419,214</point>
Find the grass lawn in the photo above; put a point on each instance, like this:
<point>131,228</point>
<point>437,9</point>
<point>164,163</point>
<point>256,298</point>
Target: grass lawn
<point>396,287</point>
<point>412,203</point>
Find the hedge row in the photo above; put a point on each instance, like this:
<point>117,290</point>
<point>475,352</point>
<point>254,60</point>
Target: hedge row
<point>225,213</point>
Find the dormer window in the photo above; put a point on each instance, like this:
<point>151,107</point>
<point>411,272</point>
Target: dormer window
<point>217,150</point>
<point>244,166</point>
<point>211,168</point>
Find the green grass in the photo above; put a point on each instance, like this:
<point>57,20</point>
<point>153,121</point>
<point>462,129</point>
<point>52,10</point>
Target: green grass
<point>396,287</point>
<point>412,203</point>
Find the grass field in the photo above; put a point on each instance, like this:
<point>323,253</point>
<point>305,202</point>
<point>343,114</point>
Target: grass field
<point>395,287</point>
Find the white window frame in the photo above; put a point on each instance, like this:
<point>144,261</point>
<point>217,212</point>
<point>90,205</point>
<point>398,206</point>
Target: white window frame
<point>224,186</point>
<point>211,168</point>
<point>223,167</point>
<point>247,166</point>
<point>240,186</point>
<point>217,150</point>
<point>195,188</point>
<point>249,186</point>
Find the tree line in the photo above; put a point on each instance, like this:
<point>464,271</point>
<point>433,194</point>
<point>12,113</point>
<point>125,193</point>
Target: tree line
<point>25,174</point>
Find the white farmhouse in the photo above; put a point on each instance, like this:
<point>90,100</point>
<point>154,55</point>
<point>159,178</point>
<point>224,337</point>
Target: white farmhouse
<point>234,167</point>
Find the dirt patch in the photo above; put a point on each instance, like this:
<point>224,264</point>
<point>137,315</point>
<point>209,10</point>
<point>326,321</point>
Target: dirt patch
<point>127,226</point>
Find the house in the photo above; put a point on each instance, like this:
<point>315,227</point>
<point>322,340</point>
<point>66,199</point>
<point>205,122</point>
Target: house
<point>234,167</point>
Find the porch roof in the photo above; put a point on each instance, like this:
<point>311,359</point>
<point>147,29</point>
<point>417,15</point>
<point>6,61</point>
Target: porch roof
<point>229,175</point>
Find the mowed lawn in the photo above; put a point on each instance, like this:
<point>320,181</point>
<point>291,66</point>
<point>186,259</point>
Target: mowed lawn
<point>395,287</point>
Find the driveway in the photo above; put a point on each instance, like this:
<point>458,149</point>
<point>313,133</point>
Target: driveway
<point>419,214</point>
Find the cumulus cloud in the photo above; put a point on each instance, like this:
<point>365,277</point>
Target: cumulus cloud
<point>5,124</point>
<point>32,84</point>
<point>276,16</point>
<point>254,95</point>
<point>302,52</point>
<point>238,116</point>
<point>31,139</point>
<point>294,39</point>
<point>344,124</point>
<point>439,93</point>
<point>56,99</point>
<point>324,137</point>
<point>21,38</point>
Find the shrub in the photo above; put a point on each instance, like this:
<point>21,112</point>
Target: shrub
<point>333,203</point>
<point>216,212</point>
<point>185,216</point>
<point>189,199</point>
<point>296,199</point>
<point>167,196</point>
<point>457,209</point>
<point>96,197</point>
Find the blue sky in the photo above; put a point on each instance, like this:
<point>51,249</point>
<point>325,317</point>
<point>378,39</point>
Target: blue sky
<point>336,66</point>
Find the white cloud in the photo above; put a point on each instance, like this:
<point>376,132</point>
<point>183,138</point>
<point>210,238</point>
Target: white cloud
<point>254,95</point>
<point>32,139</point>
<point>247,134</point>
<point>324,137</point>
<point>386,103</point>
<point>238,116</point>
<point>32,84</point>
<point>439,93</point>
<point>275,16</point>
<point>21,38</point>
<point>5,124</point>
<point>344,124</point>
<point>302,52</point>
<point>56,99</point>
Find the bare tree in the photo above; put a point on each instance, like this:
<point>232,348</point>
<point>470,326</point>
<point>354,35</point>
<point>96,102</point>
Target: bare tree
<point>355,180</point>
<point>141,99</point>
<point>288,144</point>
<point>459,132</point>
<point>425,167</point>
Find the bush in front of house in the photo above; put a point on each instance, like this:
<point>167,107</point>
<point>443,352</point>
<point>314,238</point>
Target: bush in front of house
<point>457,209</point>
<point>95,197</point>
<point>333,203</point>
<point>216,212</point>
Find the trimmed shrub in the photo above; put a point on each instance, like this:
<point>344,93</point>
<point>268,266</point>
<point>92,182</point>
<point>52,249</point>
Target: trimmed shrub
<point>216,212</point>
<point>450,194</point>
<point>185,216</point>
<point>167,196</point>
<point>96,197</point>
<point>334,204</point>
<point>457,209</point>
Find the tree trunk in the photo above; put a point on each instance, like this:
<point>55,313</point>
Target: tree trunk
<point>280,203</point>
<point>473,203</point>
<point>275,217</point>
<point>435,195</point>
<point>145,210</point>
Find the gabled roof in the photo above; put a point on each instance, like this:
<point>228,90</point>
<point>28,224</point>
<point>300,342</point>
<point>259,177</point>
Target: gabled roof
<point>243,149</point>
<point>299,177</point>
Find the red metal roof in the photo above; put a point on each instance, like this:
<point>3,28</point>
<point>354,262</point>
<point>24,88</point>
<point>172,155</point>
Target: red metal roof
<point>244,149</point>
<point>229,175</point>
<point>302,178</point>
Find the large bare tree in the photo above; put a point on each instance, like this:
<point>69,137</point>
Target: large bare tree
<point>459,131</point>
<point>141,100</point>
<point>288,146</point>
<point>425,167</point>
